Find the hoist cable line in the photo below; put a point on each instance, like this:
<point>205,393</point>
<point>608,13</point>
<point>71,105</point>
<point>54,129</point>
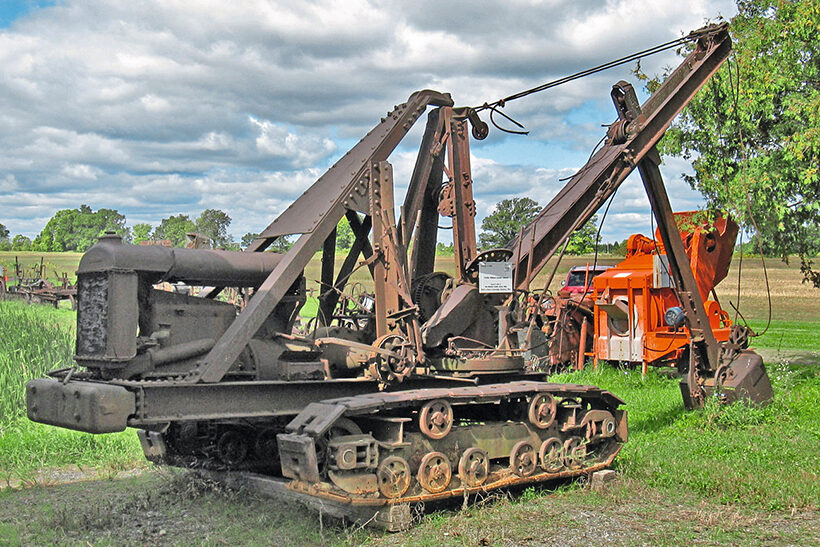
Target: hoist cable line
<point>500,103</point>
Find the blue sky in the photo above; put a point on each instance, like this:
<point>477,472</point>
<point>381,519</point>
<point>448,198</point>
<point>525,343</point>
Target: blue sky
<point>11,10</point>
<point>175,107</point>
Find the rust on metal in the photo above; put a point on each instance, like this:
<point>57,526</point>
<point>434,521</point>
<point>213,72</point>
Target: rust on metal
<point>419,387</point>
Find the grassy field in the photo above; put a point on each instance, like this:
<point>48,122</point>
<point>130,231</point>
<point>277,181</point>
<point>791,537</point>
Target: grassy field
<point>56,264</point>
<point>787,291</point>
<point>722,475</point>
<point>34,340</point>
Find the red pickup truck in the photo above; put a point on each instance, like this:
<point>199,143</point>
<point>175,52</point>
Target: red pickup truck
<point>579,279</point>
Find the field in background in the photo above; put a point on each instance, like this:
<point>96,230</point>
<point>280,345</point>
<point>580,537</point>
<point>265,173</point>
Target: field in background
<point>787,291</point>
<point>55,263</point>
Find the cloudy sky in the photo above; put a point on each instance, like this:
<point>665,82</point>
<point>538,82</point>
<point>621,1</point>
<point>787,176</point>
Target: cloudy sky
<point>160,107</point>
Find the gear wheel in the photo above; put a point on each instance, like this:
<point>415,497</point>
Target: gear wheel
<point>394,366</point>
<point>427,293</point>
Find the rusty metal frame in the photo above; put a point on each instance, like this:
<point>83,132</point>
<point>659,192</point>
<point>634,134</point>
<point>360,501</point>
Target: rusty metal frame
<point>629,141</point>
<point>686,289</point>
<point>464,242</point>
<point>361,246</point>
<point>315,215</point>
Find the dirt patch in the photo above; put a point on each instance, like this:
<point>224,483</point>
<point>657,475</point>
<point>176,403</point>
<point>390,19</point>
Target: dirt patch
<point>67,475</point>
<point>794,357</point>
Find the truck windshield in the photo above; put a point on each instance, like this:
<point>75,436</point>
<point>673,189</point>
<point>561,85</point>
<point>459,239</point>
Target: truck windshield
<point>577,278</point>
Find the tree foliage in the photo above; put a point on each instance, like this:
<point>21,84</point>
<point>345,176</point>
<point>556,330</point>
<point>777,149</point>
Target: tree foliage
<point>174,229</point>
<point>78,229</point>
<point>281,244</point>
<point>445,249</point>
<point>140,232</point>
<point>506,221</point>
<point>582,240</point>
<point>5,245</point>
<point>753,131</point>
<point>214,224</point>
<point>21,243</point>
<point>247,239</point>
<point>344,235</point>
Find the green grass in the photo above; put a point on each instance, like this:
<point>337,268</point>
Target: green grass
<point>34,340</point>
<point>55,263</point>
<point>764,457</point>
<point>722,475</point>
<point>787,335</point>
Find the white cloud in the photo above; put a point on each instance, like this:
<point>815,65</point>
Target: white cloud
<point>80,171</point>
<point>276,141</point>
<point>176,106</point>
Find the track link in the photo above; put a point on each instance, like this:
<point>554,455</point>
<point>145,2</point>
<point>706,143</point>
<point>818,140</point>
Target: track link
<point>424,445</point>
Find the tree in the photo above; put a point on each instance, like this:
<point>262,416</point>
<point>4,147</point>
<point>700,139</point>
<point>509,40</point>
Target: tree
<point>174,229</point>
<point>442,249</point>
<point>21,243</point>
<point>582,241</point>
<point>618,248</point>
<point>281,244</point>
<point>140,232</point>
<point>503,224</point>
<point>754,129</point>
<point>79,229</point>
<point>4,238</point>
<point>248,238</point>
<point>214,224</point>
<point>344,235</point>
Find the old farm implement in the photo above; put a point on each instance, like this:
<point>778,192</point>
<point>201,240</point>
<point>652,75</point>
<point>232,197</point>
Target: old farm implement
<point>32,285</point>
<point>420,391</point>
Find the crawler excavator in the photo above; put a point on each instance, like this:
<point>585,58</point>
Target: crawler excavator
<point>420,391</point>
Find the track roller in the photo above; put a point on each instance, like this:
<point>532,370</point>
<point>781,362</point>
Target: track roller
<point>393,477</point>
<point>474,467</point>
<point>232,447</point>
<point>436,419</point>
<point>551,455</point>
<point>523,459</point>
<point>434,472</point>
<point>542,410</point>
<point>575,452</point>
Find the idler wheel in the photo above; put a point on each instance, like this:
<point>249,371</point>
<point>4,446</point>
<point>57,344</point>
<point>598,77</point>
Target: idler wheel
<point>393,476</point>
<point>474,467</point>
<point>575,452</point>
<point>542,410</point>
<point>551,455</point>
<point>436,418</point>
<point>434,472</point>
<point>232,448</point>
<point>607,427</point>
<point>342,426</point>
<point>523,459</point>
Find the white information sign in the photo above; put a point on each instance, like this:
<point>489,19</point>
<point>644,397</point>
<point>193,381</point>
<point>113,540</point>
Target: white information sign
<point>495,277</point>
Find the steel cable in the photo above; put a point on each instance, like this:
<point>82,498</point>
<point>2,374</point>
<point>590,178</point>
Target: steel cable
<point>500,103</point>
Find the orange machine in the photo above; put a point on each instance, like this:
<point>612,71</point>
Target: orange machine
<point>637,317</point>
